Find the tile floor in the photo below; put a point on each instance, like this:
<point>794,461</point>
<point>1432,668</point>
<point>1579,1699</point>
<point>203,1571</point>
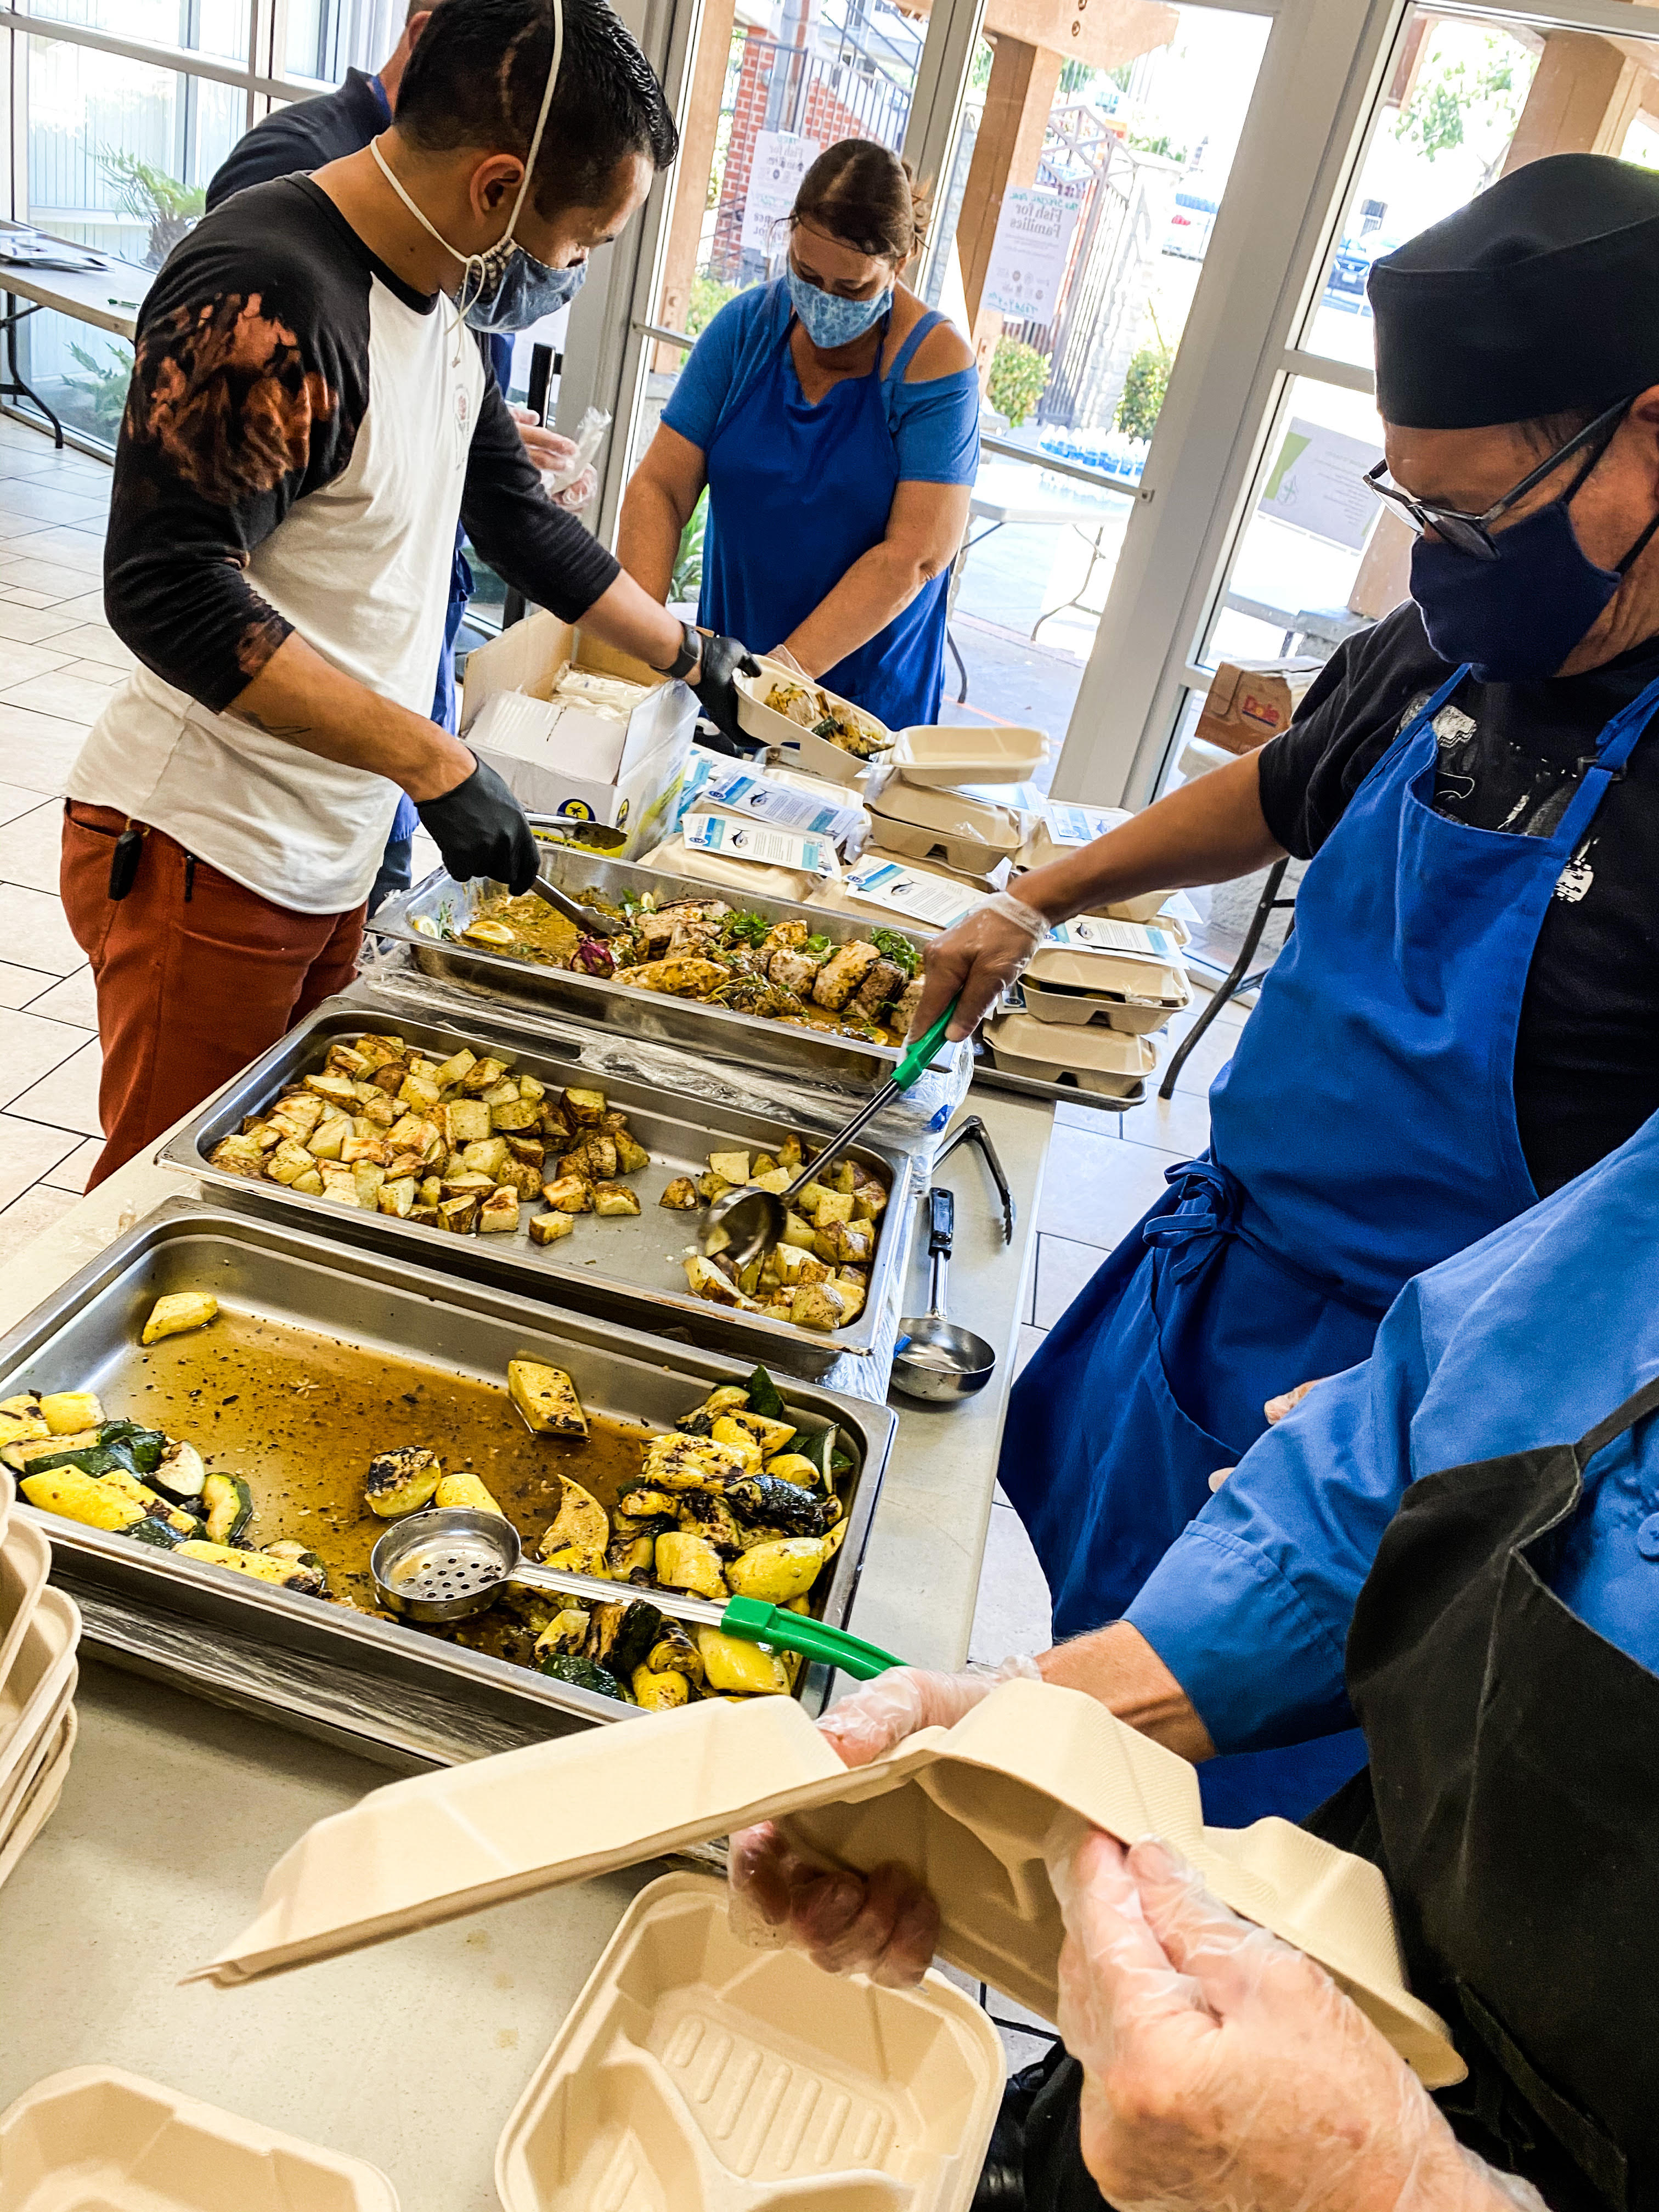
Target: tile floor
<point>58,660</point>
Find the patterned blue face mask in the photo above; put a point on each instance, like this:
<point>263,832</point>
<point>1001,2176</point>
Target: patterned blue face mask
<point>830,321</point>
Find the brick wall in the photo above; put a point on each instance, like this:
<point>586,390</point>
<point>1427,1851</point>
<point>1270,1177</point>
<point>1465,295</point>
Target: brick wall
<point>824,118</point>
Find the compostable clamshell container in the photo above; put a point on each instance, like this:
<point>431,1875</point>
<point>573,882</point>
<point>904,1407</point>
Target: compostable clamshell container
<point>974,1812</point>
<point>97,2140</point>
<point>40,1682</point>
<point>692,2070</point>
<point>1113,1062</point>
<point>973,838</point>
<point>39,1801</point>
<point>805,749</point>
<point>25,1563</point>
<point>939,757</point>
<point>1142,988</point>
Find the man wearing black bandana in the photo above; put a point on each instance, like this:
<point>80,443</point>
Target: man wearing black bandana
<point>1467,1014</point>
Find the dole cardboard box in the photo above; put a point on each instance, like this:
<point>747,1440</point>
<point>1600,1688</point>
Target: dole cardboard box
<point>1251,701</point>
<point>564,758</point>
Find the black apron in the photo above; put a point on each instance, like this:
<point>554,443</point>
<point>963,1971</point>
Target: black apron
<point>1512,1800</point>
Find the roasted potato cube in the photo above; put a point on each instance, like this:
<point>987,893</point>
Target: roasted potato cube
<point>630,1156</point>
<point>600,1152</point>
<point>852,1295</point>
<point>823,1306</point>
<point>402,1482</point>
<point>178,1311</point>
<point>482,1075</point>
<point>731,1167</point>
<point>488,1156</point>
<point>288,1160</point>
<point>298,1114</point>
<point>790,1153</point>
<point>734,1668</point>
<point>346,1060</point>
<point>369,1179</point>
<point>499,1212</point>
<point>848,1244</point>
<point>834,1206</point>
<point>552,1227</point>
<point>327,1140</point>
<point>778,1181</point>
<point>615,1198</point>
<point>568,1194</point>
<point>356,1149</point>
<point>527,1148</point>
<point>842,1175</point>
<point>518,1176</point>
<point>310,1184</point>
<point>869,1202</point>
<point>707,1281</point>
<point>680,1196</point>
<point>711,1187</point>
<point>426,1215</point>
<point>419,1093</point>
<point>376,1112</point>
<point>459,1064</point>
<point>809,1197</point>
<point>466,1490</point>
<point>762,1163</point>
<point>338,1089</point>
<point>515,1116</point>
<point>586,1108</point>
<point>530,1087</point>
<point>398,1198</point>
<point>795,1266</point>
<point>239,1156</point>
<point>460,1216</point>
<point>776,1572</point>
<point>690,1562</point>
<point>468,1121</point>
<point>547,1398</point>
<point>504,1093</point>
<point>377,1050</point>
<point>340,1184</point>
<point>798,1230</point>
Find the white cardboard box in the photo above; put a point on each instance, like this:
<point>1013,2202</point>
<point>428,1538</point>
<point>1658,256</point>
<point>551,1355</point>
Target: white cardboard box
<point>563,761</point>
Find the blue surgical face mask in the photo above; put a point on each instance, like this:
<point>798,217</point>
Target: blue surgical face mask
<point>830,321</point>
<point>520,290</point>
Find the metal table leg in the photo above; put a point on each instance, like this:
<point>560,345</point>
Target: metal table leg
<point>1237,976</point>
<point>14,387</point>
<point>1091,538</point>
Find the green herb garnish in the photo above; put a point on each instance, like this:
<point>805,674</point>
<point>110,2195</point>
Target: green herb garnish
<point>744,926</point>
<point>763,1397</point>
<point>818,946</point>
<point>899,949</point>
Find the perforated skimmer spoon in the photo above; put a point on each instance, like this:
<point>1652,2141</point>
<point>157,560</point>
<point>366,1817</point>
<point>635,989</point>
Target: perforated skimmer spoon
<point>451,1561</point>
<point>745,1224</point>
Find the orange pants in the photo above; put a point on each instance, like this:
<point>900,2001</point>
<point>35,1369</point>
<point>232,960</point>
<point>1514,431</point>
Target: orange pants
<point>195,975</point>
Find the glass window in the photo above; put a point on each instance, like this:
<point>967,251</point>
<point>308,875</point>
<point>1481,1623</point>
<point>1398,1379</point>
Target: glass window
<point>219,27</point>
<point>1072,256</point>
<point>326,38</point>
<point>119,153</point>
<point>1445,132</point>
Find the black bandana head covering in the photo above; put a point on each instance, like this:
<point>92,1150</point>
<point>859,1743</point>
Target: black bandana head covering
<point>1539,298</point>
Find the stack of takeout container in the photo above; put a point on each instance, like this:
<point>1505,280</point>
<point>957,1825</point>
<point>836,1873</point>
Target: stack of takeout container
<point>1096,993</point>
<point>949,832</point>
<point>97,2137</point>
<point>760,831</point>
<point>39,1630</point>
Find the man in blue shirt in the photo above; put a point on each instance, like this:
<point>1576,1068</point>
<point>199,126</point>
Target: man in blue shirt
<point>308,136</point>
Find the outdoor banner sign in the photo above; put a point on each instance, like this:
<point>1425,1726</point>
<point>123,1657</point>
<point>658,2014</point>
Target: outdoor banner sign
<point>780,160</point>
<point>1028,255</point>
<point>1318,483</point>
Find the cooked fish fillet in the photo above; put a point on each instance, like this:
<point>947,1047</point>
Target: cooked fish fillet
<point>842,973</point>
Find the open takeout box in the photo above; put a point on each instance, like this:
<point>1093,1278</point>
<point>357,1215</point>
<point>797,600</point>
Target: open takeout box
<point>968,1810</point>
<point>95,2137</point>
<point>806,750</point>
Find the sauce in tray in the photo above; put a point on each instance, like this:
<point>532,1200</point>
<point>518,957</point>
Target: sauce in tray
<point>300,1416</point>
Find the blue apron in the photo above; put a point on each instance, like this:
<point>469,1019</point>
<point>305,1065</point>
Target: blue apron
<point>796,495</point>
<point>1363,1131</point>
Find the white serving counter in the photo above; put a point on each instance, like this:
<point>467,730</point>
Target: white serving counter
<point>411,2055</point>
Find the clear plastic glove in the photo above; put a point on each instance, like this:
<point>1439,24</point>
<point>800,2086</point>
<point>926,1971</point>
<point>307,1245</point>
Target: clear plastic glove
<point>1225,2072</point>
<point>883,1924</point>
<point>783,652</point>
<point>554,456</point>
<point>1288,1401</point>
<point>975,962</point>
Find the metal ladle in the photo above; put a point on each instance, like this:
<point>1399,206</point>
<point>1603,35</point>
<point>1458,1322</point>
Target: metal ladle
<point>745,1224</point>
<point>450,1561</point>
<point>934,1358</point>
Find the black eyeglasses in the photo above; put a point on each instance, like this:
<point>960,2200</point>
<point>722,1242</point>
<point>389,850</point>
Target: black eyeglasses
<point>1472,533</point>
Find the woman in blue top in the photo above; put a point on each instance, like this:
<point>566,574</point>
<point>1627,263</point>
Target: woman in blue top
<point>834,419</point>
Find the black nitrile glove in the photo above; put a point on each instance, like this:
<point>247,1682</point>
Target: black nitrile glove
<point>479,830</point>
<point>723,658</point>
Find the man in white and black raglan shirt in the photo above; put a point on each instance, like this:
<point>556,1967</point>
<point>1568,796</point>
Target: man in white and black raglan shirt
<point>307,418</point>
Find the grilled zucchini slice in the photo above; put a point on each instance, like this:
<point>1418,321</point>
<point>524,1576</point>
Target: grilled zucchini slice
<point>229,1504</point>
<point>403,1481</point>
<point>547,1398</point>
<point>178,1311</point>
